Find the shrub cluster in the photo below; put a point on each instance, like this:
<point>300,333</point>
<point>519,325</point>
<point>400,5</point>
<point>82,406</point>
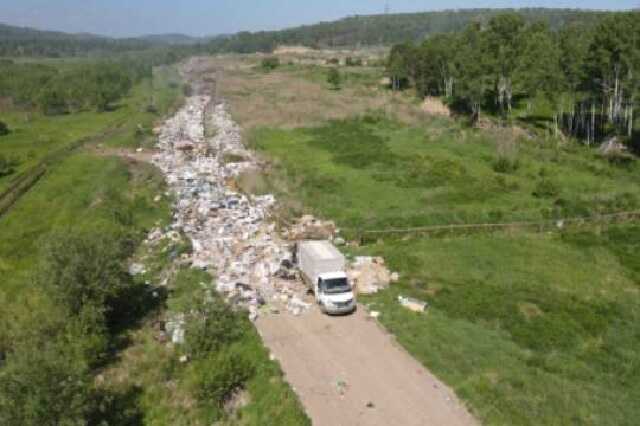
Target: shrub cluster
<point>49,353</point>
<point>270,63</point>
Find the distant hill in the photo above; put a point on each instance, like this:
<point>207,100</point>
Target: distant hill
<point>389,29</point>
<point>365,30</point>
<point>171,39</point>
<point>30,42</point>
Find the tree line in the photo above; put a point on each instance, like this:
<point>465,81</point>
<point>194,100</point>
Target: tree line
<point>588,74</point>
<point>55,90</point>
<point>60,88</point>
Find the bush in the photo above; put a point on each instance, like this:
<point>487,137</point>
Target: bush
<point>4,129</point>
<point>270,63</point>
<point>187,90</point>
<point>7,166</point>
<point>86,268</point>
<point>505,165</point>
<point>546,188</point>
<point>45,384</point>
<point>211,325</point>
<point>218,376</point>
<point>351,62</point>
<point>333,78</point>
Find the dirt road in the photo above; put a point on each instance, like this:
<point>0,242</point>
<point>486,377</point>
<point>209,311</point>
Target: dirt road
<point>348,371</point>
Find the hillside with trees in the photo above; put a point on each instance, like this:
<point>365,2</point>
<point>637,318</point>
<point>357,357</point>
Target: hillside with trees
<point>368,30</point>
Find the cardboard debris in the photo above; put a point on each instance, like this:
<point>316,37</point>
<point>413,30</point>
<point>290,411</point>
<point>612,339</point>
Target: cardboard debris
<point>310,228</point>
<point>369,274</point>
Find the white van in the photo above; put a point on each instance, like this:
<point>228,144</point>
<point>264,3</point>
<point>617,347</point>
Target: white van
<point>323,269</point>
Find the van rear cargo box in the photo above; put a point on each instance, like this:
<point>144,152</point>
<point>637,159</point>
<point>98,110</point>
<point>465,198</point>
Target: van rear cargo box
<point>318,257</point>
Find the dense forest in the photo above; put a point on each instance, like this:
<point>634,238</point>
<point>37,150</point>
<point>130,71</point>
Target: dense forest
<point>588,74</point>
<point>389,29</point>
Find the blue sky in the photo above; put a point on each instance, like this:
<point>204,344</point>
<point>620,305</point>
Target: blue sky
<point>207,17</point>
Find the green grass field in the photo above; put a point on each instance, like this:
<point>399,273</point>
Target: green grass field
<point>528,328</point>
<point>391,175</point>
<point>83,191</point>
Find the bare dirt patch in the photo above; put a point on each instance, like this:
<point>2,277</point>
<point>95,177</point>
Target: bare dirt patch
<point>285,99</point>
<point>434,106</point>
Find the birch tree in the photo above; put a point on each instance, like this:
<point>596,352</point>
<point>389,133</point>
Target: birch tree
<point>504,47</point>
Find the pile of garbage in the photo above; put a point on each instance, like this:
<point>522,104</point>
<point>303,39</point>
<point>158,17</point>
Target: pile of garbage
<point>230,232</point>
<point>370,274</point>
<point>310,228</point>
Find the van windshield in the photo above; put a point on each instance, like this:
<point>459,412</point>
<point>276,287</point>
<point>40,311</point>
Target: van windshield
<point>336,285</point>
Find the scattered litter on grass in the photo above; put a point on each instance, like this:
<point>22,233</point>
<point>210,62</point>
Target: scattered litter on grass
<point>412,304</point>
<point>369,274</point>
<point>136,269</point>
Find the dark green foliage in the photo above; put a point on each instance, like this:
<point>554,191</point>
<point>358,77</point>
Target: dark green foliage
<point>45,385</point>
<point>505,165</point>
<point>7,166</point>
<point>270,63</point>
<point>353,62</point>
<point>400,65</point>
<point>546,188</point>
<point>220,374</point>
<point>351,143</point>
<point>51,102</point>
<point>4,129</point>
<point>80,269</point>
<point>212,325</point>
<point>333,78</point>
<point>61,90</point>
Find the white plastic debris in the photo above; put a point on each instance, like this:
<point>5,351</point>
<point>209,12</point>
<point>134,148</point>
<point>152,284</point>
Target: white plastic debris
<point>229,231</point>
<point>136,269</point>
<point>412,304</point>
